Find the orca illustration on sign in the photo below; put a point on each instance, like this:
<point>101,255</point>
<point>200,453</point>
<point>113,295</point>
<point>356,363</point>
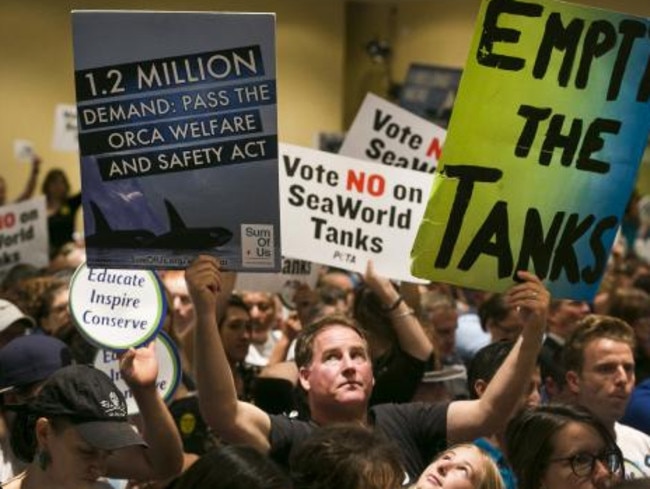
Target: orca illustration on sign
<point>107,237</point>
<point>182,237</point>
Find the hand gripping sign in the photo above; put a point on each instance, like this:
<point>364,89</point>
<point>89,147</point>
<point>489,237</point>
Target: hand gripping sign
<point>117,309</point>
<point>169,370</point>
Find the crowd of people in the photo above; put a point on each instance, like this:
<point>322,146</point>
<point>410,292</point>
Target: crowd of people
<point>360,384</point>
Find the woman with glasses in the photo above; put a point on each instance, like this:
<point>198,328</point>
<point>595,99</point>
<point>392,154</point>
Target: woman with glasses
<point>562,447</point>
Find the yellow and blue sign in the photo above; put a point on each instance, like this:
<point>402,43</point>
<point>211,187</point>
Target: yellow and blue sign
<point>543,148</point>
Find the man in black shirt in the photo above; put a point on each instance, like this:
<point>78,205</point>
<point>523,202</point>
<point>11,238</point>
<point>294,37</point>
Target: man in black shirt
<point>335,370</point>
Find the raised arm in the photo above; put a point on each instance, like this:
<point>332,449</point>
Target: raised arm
<point>468,420</point>
<point>30,186</point>
<point>289,327</point>
<point>163,458</point>
<point>232,420</point>
<point>410,335</point>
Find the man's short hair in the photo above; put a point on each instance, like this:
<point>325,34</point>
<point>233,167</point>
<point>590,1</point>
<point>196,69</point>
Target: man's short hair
<point>485,364</point>
<point>305,342</point>
<point>434,300</point>
<point>495,308</point>
<point>630,305</point>
<point>233,301</point>
<point>593,327</point>
<point>236,301</point>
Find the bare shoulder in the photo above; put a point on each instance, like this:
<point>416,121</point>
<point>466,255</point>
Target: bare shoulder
<point>15,482</point>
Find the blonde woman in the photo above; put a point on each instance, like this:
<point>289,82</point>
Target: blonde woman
<point>463,466</point>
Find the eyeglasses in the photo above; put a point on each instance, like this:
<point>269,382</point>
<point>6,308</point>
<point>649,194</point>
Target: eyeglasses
<point>584,464</point>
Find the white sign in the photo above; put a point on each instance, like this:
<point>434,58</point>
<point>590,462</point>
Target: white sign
<point>343,212</point>
<point>386,133</point>
<point>116,309</point>
<point>169,370</point>
<point>65,137</point>
<point>23,235</point>
<point>24,150</point>
<point>294,273</point>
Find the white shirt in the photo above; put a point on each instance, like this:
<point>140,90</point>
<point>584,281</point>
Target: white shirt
<point>635,446</point>
<point>9,464</point>
<point>259,354</point>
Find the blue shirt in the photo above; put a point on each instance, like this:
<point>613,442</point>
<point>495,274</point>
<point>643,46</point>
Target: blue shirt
<point>470,337</point>
<point>637,414</point>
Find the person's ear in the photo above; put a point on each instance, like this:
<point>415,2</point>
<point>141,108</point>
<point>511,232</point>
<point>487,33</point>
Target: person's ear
<point>573,381</point>
<point>303,378</point>
<point>42,430</point>
<point>479,387</point>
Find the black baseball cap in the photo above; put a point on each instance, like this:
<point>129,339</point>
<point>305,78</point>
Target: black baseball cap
<point>89,399</point>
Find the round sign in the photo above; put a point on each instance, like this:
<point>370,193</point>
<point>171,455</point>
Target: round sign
<point>117,309</point>
<point>169,370</point>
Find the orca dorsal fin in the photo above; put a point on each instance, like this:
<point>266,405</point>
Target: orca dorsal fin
<point>101,224</point>
<point>175,220</point>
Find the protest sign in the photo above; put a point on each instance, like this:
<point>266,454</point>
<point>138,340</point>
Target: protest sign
<point>65,128</point>
<point>388,134</point>
<point>178,138</point>
<point>116,309</point>
<point>169,370</point>
<point>24,151</point>
<point>544,144</point>
<point>343,212</point>
<point>284,283</point>
<point>429,91</point>
<point>23,235</point>
<point>329,141</point>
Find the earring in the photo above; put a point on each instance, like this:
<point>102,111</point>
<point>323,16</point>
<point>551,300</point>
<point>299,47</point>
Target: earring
<point>43,459</point>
